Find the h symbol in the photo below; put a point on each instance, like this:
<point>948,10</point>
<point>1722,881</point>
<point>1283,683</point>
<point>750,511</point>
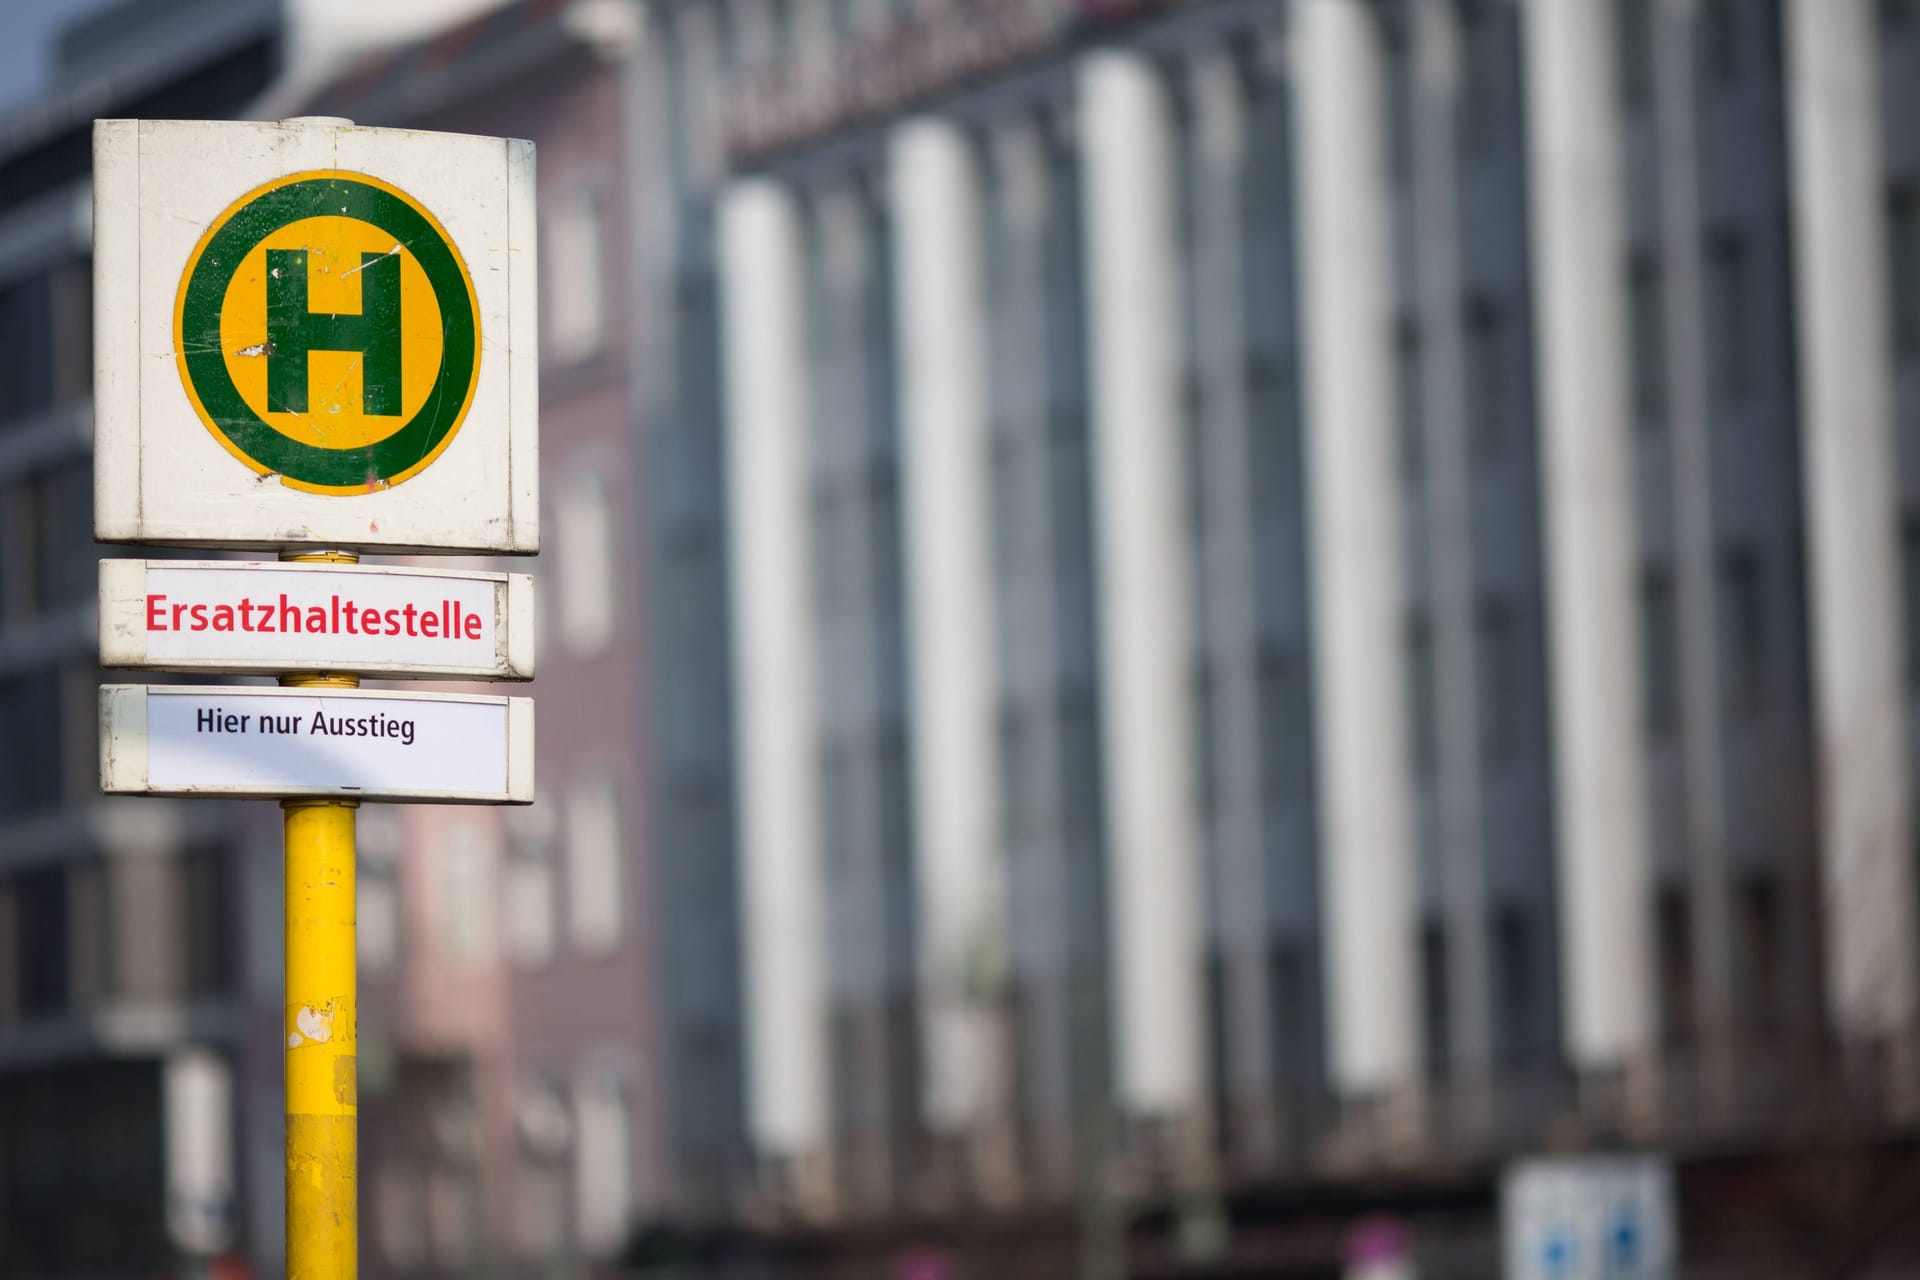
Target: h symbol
<point>293,332</point>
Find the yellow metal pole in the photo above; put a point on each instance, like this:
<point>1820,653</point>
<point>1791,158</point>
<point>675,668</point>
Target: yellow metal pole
<point>322,1056</point>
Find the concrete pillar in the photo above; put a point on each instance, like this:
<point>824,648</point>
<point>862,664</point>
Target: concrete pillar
<point>781,914</point>
<point>949,583</point>
<point>1353,514</point>
<point>1848,459</point>
<point>1588,505</point>
<point>1144,606</point>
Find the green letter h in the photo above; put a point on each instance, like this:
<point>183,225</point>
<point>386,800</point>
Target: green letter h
<point>293,332</point>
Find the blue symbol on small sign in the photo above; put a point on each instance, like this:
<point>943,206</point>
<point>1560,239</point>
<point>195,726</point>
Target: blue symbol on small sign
<point>1623,1244</point>
<point>1556,1253</point>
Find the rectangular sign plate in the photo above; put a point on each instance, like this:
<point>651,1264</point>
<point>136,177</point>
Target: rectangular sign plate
<point>181,740</point>
<point>249,617</point>
<point>308,333</point>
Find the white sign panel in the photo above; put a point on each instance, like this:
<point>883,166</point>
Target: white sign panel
<point>179,740</point>
<point>265,618</point>
<point>308,333</point>
<point>1589,1218</point>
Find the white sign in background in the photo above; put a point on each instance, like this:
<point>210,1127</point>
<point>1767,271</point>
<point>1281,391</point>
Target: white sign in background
<point>250,617</point>
<point>375,745</point>
<point>1590,1218</point>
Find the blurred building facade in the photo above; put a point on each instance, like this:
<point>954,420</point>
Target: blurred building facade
<point>122,949</point>
<point>1314,590</point>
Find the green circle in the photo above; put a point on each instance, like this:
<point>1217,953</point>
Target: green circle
<point>206,362</point>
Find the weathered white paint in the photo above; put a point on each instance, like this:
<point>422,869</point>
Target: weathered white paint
<point>130,591</point>
<point>1833,99</point>
<point>949,583</point>
<point>160,474</point>
<point>766,457</point>
<point>1587,487</point>
<point>465,748</point>
<point>1134,354</point>
<point>315,1025</point>
<point>1353,500</point>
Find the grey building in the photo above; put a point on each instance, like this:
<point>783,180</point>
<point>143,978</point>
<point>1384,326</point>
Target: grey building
<point>122,1036</point>
<point>1289,613</point>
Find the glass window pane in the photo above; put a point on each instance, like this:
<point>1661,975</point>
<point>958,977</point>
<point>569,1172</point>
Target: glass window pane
<point>1498,684</point>
<point>1658,652</point>
<point>1486,376</point>
<point>1729,317</point>
<point>1647,319</point>
<point>1742,631</point>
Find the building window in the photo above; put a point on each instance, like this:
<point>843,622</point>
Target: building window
<point>26,336</point>
<point>1729,317</point>
<point>1903,257</point>
<point>893,798</point>
<point>9,957</point>
<point>585,561</point>
<point>1514,990</point>
<point>1406,386</point>
<point>1400,102</point>
<point>882,524</point>
<point>1486,376</point>
<point>1291,1014</point>
<point>594,906</point>
<point>468,902</point>
<point>603,1164</point>
<point>1743,636</point>
<point>1010,549</point>
<point>31,736</point>
<point>1498,678</point>
<point>1079,745</point>
<point>1068,505</point>
<point>209,941</point>
<point>90,949</point>
<point>830,560</point>
<point>400,1211</point>
<point>1659,656</point>
<point>41,923</point>
<point>46,524</point>
<point>1283,728</point>
<point>453,1218</point>
<point>529,914</point>
<point>1019,799</point>
<point>1482,81</point>
<point>1422,714</point>
<point>1673,928</point>
<point>1205,752</point>
<point>1194,436</point>
<point>540,1212</point>
<point>1434,997</point>
<point>1635,34</point>
<point>1757,903</point>
<point>1720,41</point>
<point>377,844</point>
<point>1268,435</point>
<point>1647,321</point>
<point>1219,1014</point>
<point>73,332</point>
<point>575,274</point>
